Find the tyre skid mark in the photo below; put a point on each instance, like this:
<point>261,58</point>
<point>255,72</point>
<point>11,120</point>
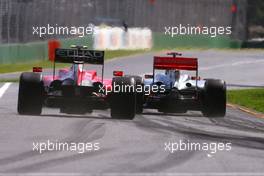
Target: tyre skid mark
<point>194,133</point>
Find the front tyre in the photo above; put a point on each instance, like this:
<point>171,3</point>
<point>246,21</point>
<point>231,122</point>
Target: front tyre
<point>30,94</point>
<point>214,99</point>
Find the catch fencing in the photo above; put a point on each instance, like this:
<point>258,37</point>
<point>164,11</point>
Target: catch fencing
<point>17,17</point>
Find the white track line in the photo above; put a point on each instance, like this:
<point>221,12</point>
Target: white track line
<point>4,88</point>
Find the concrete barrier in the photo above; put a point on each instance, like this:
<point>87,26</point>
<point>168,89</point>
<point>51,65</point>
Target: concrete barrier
<point>162,41</point>
<point>21,53</point>
<point>35,51</point>
<point>114,38</point>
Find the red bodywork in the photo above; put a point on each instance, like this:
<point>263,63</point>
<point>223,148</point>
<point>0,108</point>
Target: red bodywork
<point>83,75</point>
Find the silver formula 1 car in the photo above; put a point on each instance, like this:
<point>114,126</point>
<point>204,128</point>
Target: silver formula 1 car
<point>181,92</point>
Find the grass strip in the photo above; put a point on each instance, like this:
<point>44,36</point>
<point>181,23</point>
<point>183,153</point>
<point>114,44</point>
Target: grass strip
<point>250,98</point>
<point>9,80</point>
<point>9,68</point>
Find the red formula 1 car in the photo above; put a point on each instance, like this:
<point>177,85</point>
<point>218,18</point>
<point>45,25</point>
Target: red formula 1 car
<point>75,90</point>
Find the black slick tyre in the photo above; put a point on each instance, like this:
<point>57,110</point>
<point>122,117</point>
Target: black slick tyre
<point>30,94</point>
<point>214,98</point>
<point>123,101</point>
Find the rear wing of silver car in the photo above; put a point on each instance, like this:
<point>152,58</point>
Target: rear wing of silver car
<point>175,63</point>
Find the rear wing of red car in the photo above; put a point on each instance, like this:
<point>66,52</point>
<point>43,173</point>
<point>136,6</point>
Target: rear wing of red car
<point>76,55</point>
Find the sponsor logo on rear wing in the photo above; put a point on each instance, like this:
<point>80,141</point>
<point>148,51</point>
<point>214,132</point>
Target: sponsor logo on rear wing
<point>79,56</point>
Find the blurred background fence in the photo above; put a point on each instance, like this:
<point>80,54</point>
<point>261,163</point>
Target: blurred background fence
<point>17,17</point>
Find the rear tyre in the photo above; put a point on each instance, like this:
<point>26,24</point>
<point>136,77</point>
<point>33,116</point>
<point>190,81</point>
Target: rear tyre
<point>214,99</point>
<point>140,94</point>
<point>123,102</point>
<point>30,94</point>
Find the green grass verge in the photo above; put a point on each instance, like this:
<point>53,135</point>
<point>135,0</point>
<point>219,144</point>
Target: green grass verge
<point>250,98</point>
<point>9,80</point>
<point>8,68</point>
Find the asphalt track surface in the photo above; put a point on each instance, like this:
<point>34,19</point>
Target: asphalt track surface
<point>138,146</point>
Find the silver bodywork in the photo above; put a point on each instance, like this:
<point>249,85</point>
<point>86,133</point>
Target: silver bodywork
<point>174,79</point>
